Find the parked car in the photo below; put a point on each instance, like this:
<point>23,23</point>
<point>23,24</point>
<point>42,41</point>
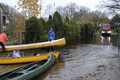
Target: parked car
<point>106,29</point>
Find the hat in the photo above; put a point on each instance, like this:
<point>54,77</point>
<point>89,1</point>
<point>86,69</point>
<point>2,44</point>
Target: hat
<point>51,28</point>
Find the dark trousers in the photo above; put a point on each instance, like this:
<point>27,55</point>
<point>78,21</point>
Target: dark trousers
<point>3,47</point>
<point>50,48</point>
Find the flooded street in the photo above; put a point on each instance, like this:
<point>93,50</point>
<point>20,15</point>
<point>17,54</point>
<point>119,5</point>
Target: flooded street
<point>94,58</point>
<point>60,39</point>
<point>91,59</point>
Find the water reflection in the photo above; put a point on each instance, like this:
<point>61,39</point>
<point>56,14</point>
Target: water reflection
<point>105,40</point>
<point>101,40</point>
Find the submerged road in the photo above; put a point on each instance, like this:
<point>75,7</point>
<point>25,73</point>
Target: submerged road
<point>95,59</point>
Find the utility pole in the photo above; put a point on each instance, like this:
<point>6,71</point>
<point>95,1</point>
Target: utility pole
<point>1,20</point>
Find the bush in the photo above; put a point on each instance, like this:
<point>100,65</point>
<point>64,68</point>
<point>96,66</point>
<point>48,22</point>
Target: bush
<point>71,31</point>
<point>117,30</point>
<point>45,26</point>
<point>37,29</point>
<point>87,30</point>
<point>58,25</point>
<point>34,29</point>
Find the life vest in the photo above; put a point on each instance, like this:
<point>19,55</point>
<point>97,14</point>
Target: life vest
<point>3,38</point>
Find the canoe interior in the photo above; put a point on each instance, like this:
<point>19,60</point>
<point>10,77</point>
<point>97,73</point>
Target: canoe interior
<point>22,70</point>
<point>27,59</point>
<point>29,71</point>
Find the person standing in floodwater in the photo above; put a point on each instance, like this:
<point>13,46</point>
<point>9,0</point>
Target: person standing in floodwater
<point>51,36</point>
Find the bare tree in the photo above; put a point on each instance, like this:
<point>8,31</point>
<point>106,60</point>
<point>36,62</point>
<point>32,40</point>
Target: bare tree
<point>62,11</point>
<point>49,9</point>
<point>98,17</point>
<point>82,14</point>
<point>112,5</point>
<point>68,10</point>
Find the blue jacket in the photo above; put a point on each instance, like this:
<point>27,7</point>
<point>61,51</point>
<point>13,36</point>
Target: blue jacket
<point>51,35</point>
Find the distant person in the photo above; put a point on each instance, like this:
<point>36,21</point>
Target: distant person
<point>16,54</point>
<point>51,36</point>
<point>3,38</point>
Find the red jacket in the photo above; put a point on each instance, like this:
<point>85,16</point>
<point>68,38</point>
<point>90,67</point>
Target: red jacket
<point>3,38</point>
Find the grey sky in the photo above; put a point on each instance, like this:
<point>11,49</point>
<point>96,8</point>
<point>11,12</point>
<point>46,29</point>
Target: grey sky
<point>91,4</point>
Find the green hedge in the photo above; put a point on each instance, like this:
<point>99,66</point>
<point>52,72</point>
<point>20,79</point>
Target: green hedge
<point>37,29</point>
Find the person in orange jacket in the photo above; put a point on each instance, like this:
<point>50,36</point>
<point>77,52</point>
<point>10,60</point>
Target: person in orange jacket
<point>3,38</point>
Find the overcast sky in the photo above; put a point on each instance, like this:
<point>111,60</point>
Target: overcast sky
<point>91,4</point>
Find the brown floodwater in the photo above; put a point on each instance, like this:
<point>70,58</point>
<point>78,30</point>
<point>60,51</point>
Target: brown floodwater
<point>94,58</point>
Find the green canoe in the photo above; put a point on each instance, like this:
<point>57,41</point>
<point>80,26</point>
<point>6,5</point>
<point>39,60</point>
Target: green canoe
<point>29,71</point>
